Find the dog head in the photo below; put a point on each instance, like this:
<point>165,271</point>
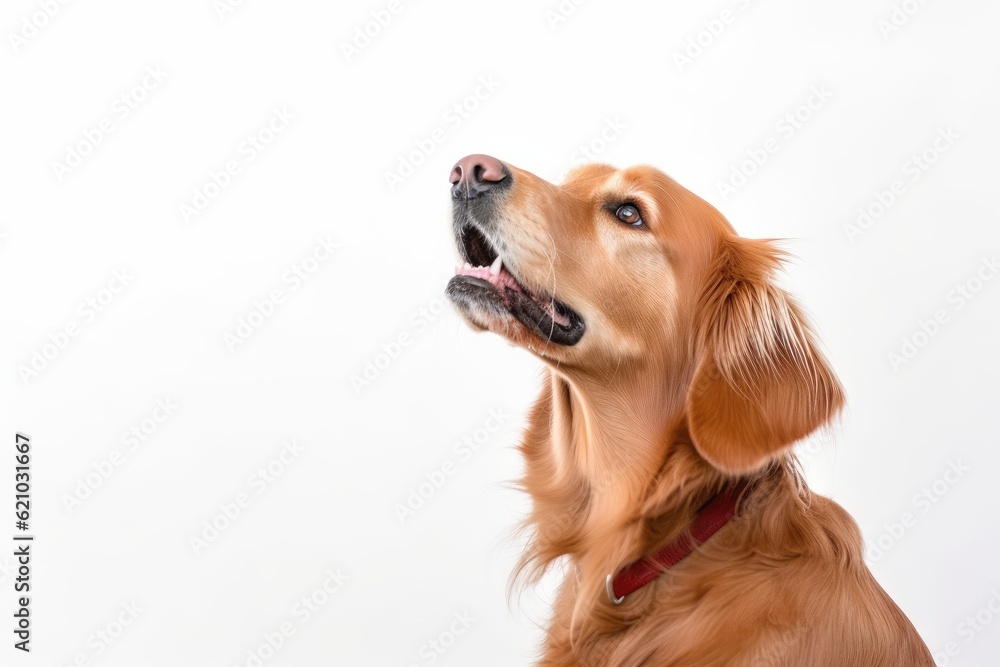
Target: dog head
<point>626,273</point>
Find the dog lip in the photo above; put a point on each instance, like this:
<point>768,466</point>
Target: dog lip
<point>467,291</point>
<point>526,309</point>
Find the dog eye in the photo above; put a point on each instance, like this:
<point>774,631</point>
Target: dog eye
<point>629,215</point>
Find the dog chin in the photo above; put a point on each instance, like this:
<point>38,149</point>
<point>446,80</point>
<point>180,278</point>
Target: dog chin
<point>483,310</point>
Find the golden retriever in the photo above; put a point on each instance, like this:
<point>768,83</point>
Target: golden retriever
<point>678,377</point>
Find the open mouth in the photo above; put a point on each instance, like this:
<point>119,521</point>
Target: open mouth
<point>485,281</point>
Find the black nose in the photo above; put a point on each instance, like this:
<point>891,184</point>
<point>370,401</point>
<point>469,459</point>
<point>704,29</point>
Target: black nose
<point>475,174</point>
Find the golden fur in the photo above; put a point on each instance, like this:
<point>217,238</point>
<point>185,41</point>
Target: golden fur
<point>695,370</point>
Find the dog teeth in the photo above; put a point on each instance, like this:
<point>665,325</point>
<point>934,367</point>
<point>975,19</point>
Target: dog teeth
<point>468,266</point>
<point>496,266</point>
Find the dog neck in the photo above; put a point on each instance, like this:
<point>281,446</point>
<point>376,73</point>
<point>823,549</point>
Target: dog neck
<point>611,444</point>
<point>603,499</point>
<point>604,496</point>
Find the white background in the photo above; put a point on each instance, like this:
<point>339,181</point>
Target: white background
<point>558,83</point>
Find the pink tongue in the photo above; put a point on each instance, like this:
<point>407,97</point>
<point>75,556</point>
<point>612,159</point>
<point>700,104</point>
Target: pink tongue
<point>505,280</point>
<point>501,280</point>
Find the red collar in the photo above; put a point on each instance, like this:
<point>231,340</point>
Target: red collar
<point>709,519</point>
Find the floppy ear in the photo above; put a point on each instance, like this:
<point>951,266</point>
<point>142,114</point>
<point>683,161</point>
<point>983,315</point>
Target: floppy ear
<point>760,384</point>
